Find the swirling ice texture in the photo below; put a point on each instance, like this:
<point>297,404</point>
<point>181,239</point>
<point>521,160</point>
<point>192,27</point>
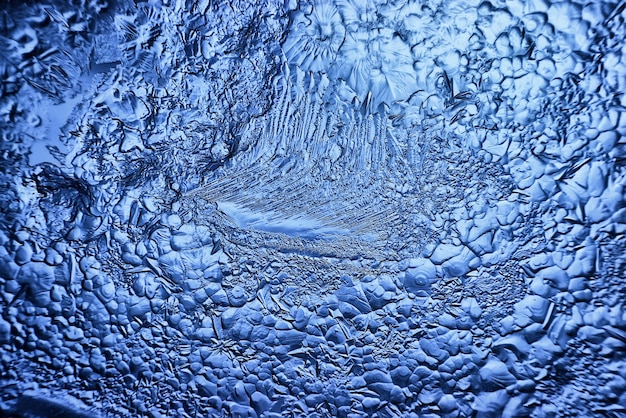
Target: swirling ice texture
<point>349,208</point>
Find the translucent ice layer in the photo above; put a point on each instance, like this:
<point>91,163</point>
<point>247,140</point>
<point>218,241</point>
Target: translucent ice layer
<point>351,208</point>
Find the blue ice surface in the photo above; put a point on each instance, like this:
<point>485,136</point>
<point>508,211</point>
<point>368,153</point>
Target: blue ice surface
<point>475,268</point>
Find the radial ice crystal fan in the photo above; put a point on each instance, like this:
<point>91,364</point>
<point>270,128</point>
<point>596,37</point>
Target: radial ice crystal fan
<point>338,208</point>
<point>315,38</point>
<point>378,66</point>
<point>346,42</point>
<point>358,13</point>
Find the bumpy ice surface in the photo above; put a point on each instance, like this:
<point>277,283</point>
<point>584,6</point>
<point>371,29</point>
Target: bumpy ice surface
<point>348,208</point>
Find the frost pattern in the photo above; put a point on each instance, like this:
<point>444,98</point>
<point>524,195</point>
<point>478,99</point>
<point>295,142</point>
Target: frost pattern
<point>379,66</point>
<point>316,38</point>
<point>350,208</point>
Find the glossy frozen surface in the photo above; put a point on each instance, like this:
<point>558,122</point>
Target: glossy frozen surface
<point>345,208</point>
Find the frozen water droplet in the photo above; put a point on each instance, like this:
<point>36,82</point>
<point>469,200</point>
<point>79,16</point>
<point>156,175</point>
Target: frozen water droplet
<point>420,276</point>
<point>495,375</point>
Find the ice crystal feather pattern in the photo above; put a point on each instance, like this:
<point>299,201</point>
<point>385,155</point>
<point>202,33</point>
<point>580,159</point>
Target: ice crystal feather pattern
<point>315,39</point>
<point>348,208</point>
<point>378,64</point>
